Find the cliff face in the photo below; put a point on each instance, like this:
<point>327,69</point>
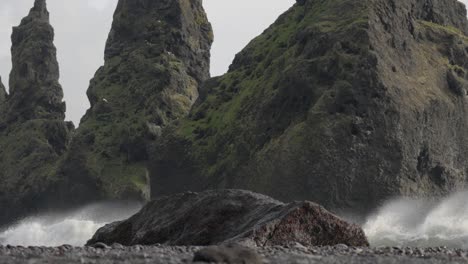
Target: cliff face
<point>33,134</point>
<point>342,102</point>
<point>424,74</point>
<point>156,55</point>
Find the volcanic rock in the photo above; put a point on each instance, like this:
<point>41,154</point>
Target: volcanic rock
<point>3,93</point>
<point>34,89</point>
<point>342,102</point>
<point>156,55</point>
<point>33,133</point>
<point>230,216</point>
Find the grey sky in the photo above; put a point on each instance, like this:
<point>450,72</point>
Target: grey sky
<point>81,28</point>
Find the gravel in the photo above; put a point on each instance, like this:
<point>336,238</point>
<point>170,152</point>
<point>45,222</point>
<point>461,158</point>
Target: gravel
<point>171,255</point>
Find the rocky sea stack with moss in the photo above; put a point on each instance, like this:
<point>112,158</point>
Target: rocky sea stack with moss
<point>156,56</point>
<point>33,133</point>
<point>342,102</point>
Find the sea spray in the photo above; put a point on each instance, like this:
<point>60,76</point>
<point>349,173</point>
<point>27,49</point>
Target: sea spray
<point>72,228</point>
<point>421,223</point>
<point>400,222</point>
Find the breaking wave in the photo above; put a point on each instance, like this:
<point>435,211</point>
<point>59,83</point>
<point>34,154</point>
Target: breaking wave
<point>421,223</point>
<point>72,228</point>
<point>400,222</point>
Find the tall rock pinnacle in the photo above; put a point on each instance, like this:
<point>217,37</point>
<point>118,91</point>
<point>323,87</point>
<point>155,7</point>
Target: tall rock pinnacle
<point>39,10</point>
<point>33,133</point>
<point>3,93</point>
<point>156,56</point>
<point>34,88</point>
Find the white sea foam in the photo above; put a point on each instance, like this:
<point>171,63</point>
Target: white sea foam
<point>401,222</point>
<point>421,223</point>
<point>72,228</point>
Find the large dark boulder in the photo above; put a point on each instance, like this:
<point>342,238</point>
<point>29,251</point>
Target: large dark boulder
<point>33,133</point>
<point>342,102</point>
<point>228,216</point>
<point>156,55</point>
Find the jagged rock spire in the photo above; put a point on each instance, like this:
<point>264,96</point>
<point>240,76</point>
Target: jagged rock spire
<point>156,56</point>
<point>39,10</point>
<point>40,5</point>
<point>34,87</point>
<point>2,92</point>
<point>33,133</point>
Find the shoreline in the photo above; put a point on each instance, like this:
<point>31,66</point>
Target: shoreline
<point>178,254</point>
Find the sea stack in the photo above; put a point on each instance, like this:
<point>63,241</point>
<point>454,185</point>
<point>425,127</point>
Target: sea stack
<point>342,102</point>
<point>34,89</point>
<point>3,94</point>
<point>33,133</point>
<point>156,56</point>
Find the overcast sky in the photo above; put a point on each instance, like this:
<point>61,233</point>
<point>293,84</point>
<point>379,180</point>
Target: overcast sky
<point>81,28</point>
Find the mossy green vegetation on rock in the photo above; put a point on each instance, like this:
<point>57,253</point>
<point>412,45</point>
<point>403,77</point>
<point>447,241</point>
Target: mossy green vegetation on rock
<point>156,55</point>
<point>33,133</point>
<point>34,89</point>
<point>343,102</point>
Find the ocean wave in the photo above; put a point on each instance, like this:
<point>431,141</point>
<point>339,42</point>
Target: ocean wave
<point>421,223</point>
<point>71,228</point>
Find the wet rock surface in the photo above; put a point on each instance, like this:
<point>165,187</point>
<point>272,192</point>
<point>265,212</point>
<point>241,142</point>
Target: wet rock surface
<point>225,216</point>
<point>271,255</point>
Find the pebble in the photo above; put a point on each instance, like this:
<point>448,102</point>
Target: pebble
<point>120,254</point>
<point>117,246</point>
<point>341,247</point>
<point>299,246</point>
<point>100,245</point>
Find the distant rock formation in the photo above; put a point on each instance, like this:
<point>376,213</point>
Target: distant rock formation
<point>156,55</point>
<point>33,133</point>
<point>3,94</point>
<point>230,216</point>
<point>34,89</point>
<point>341,102</point>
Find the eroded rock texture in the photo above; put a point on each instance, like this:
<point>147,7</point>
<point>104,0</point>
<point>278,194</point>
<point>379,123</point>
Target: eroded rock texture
<point>156,55</point>
<point>34,89</point>
<point>230,216</point>
<point>33,133</point>
<point>341,102</point>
